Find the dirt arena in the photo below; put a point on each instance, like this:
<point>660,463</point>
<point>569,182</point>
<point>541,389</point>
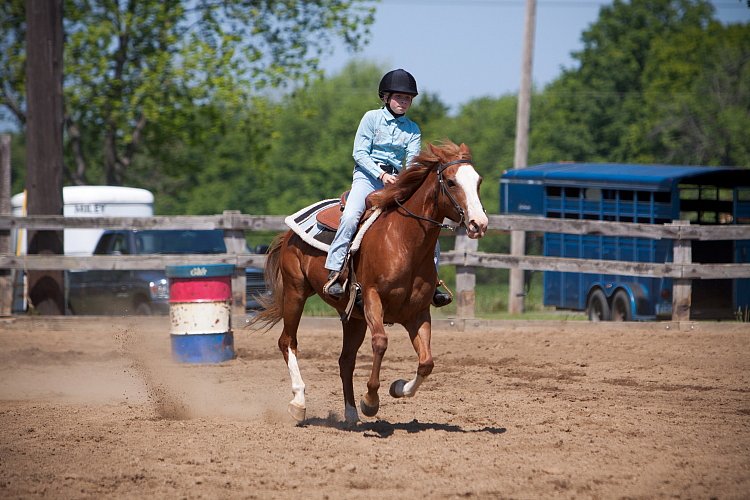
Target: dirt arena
<point>94,408</point>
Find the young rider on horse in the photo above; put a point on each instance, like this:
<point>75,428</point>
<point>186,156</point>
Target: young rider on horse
<point>386,142</point>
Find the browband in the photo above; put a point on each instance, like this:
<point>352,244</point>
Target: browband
<point>443,166</point>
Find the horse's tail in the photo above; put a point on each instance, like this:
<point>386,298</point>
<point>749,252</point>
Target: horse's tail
<point>272,306</point>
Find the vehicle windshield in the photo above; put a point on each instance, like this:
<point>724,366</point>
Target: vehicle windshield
<point>180,241</point>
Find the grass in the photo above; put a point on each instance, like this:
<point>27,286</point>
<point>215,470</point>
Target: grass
<point>491,302</point>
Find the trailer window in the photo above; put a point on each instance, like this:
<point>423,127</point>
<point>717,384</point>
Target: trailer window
<point>593,194</point>
<point>662,197</point>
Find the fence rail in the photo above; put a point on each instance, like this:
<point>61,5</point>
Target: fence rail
<point>465,256</point>
<point>242,222</point>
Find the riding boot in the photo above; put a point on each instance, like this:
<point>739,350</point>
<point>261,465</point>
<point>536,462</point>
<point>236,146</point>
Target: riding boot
<point>333,288</point>
<point>440,299</point>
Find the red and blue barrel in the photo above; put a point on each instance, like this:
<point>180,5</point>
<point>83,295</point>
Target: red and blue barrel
<point>200,303</point>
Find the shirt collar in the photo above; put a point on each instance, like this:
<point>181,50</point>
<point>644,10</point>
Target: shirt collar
<point>389,117</point>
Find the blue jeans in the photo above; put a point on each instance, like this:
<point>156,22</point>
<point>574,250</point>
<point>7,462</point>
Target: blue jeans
<point>362,185</point>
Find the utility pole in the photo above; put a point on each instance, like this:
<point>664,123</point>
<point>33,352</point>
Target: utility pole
<point>6,285</point>
<point>44,150</point>
<point>518,238</point>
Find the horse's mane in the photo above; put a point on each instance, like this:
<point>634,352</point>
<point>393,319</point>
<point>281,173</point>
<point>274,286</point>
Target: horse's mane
<point>411,178</point>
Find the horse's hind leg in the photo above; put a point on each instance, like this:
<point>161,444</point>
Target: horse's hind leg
<point>354,335</point>
<point>294,304</point>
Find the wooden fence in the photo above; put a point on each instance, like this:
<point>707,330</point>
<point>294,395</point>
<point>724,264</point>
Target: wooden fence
<point>464,256</point>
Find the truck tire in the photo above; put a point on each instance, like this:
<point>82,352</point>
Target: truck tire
<point>142,309</point>
<point>621,309</point>
<point>597,307</point>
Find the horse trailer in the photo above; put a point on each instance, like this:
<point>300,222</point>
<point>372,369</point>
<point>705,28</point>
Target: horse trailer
<point>645,194</point>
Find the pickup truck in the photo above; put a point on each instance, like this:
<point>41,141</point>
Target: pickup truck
<point>145,292</point>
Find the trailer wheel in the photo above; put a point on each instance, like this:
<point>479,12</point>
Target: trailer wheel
<point>621,310</point>
<point>597,307</point>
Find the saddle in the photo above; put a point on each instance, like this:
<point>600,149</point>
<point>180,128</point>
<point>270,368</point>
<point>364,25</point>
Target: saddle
<point>330,217</point>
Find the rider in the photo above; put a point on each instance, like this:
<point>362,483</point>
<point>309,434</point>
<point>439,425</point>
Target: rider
<point>385,143</point>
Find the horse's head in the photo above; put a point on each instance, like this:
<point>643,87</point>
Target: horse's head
<point>454,194</point>
<point>459,183</point>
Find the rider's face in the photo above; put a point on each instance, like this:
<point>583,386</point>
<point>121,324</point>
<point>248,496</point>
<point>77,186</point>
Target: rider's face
<point>400,103</point>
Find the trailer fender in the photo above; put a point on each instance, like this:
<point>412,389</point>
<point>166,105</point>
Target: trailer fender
<point>634,293</point>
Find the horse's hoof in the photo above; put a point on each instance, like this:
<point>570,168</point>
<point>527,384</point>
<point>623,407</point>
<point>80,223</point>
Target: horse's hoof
<point>369,410</point>
<point>397,388</point>
<point>297,412</point>
<point>350,415</point>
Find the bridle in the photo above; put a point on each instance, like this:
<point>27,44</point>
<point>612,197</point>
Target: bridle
<point>443,189</point>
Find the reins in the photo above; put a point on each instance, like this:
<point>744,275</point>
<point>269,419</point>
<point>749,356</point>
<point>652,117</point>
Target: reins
<point>443,190</point>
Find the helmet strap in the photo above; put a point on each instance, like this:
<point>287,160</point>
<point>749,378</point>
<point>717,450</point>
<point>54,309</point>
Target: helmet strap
<point>387,104</point>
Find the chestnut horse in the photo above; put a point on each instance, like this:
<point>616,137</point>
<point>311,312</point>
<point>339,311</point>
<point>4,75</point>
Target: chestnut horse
<point>394,267</point>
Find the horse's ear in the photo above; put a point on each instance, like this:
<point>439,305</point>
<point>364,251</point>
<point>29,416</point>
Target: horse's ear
<point>436,151</point>
<point>463,148</point>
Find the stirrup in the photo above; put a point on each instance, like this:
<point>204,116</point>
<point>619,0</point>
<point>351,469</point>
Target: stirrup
<point>332,287</point>
<point>440,299</point>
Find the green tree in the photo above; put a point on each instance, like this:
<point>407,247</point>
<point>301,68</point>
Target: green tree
<point>696,98</point>
<point>313,134</point>
<point>589,113</point>
<point>488,127</point>
<point>142,74</point>
<point>226,170</point>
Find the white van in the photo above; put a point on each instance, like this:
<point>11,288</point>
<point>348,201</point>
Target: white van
<point>89,201</point>
<point>80,201</point>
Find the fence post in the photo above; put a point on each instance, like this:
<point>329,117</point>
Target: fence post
<point>465,277</point>
<point>6,282</point>
<point>681,288</point>
<point>235,242</point>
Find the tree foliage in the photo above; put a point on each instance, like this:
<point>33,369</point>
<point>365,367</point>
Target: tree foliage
<point>144,73</point>
<point>658,81</point>
<point>706,119</point>
<point>313,135</point>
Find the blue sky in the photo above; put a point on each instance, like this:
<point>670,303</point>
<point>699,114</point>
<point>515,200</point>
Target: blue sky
<point>464,49</point>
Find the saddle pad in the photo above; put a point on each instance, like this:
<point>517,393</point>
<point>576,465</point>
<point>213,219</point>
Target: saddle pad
<point>305,224</point>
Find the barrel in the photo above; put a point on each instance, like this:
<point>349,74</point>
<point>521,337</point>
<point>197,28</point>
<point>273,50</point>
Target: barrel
<point>200,302</point>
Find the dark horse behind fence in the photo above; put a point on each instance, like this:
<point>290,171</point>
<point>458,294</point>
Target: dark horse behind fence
<point>394,267</point>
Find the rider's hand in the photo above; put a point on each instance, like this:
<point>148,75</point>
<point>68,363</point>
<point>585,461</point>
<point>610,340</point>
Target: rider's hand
<point>388,178</point>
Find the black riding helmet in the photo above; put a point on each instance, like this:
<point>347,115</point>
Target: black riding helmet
<point>398,81</point>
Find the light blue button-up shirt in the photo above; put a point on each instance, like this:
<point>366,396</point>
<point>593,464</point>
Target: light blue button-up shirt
<point>383,138</point>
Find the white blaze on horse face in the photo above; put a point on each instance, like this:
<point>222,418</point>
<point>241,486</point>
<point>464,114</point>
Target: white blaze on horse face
<point>476,218</point>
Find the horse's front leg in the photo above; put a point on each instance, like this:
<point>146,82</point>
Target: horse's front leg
<point>370,402</point>
<point>354,335</point>
<point>420,332</point>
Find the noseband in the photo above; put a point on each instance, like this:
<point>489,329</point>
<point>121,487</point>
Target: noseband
<point>443,190</point>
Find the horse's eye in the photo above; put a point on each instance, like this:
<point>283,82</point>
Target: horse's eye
<point>451,183</point>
